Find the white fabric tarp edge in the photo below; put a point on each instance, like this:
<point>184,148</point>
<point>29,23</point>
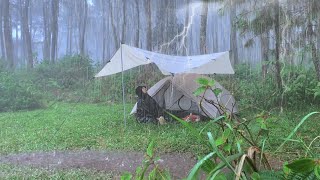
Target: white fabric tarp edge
<point>215,63</point>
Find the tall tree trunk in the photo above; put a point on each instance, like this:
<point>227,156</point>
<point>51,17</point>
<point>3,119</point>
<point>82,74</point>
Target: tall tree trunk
<point>2,47</point>
<point>124,27</point>
<point>203,27</point>
<point>83,27</point>
<point>46,30</point>
<point>23,38</point>
<point>137,35</point>
<point>278,41</point>
<point>264,51</point>
<point>233,38</point>
<point>8,33</point>
<point>104,33</point>
<point>149,24</point>
<point>107,46</point>
<point>54,30</point>
<point>17,43</point>
<point>2,42</point>
<point>26,32</point>
<point>71,26</point>
<point>315,59</point>
<point>68,27</point>
<point>312,36</point>
<point>318,50</point>
<point>114,30</point>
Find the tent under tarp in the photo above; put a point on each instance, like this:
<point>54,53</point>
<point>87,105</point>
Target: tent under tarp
<point>128,57</point>
<point>175,93</point>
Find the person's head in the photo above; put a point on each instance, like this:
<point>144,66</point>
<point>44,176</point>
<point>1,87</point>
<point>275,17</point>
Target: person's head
<point>144,89</point>
<point>140,90</point>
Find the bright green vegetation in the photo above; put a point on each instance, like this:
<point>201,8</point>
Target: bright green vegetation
<point>65,126</point>
<point>13,172</point>
<point>87,126</point>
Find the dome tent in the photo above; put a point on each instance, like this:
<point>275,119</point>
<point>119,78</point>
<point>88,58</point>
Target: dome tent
<point>175,94</point>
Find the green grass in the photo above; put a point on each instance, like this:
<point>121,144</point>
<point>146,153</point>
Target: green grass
<point>65,126</point>
<point>282,125</point>
<point>14,172</point>
<point>88,126</point>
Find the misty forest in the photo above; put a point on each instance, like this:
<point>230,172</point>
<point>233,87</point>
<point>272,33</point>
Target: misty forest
<point>159,89</point>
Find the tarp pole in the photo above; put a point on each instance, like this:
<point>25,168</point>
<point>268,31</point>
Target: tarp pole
<point>123,90</point>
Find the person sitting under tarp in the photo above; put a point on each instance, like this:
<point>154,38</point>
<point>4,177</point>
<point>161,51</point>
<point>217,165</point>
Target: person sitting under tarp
<point>148,110</point>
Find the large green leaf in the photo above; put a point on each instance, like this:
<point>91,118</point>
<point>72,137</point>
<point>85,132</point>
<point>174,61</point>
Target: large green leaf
<point>218,176</point>
<point>317,171</point>
<point>255,176</point>
<point>211,82</point>
<point>223,164</point>
<point>208,165</point>
<point>212,121</point>
<point>165,175</point>
<point>219,154</point>
<point>302,165</point>
<point>152,174</point>
<point>199,91</point>
<point>225,135</point>
<point>217,91</point>
<point>150,149</point>
<point>262,123</point>
<point>203,81</point>
<point>126,176</point>
<point>194,170</point>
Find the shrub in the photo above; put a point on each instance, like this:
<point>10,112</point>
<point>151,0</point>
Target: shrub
<point>18,93</point>
<point>68,79</point>
<point>251,89</point>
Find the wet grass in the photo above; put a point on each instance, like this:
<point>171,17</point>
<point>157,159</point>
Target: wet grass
<point>280,126</point>
<point>14,172</point>
<point>88,126</point>
<point>66,126</point>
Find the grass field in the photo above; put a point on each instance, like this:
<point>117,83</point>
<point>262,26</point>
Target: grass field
<point>13,172</point>
<point>65,126</point>
<point>87,126</point>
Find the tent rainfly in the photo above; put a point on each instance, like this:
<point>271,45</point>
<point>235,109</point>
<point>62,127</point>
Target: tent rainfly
<point>128,57</point>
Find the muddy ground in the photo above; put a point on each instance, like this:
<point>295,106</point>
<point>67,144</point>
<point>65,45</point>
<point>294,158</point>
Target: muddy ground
<point>115,162</point>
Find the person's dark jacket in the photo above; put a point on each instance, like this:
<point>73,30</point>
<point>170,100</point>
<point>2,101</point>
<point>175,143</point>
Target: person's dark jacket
<point>148,109</point>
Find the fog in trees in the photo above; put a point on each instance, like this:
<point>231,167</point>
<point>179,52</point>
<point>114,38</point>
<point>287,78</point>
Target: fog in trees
<point>255,32</point>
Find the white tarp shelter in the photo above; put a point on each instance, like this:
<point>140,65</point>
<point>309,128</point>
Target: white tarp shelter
<point>128,57</point>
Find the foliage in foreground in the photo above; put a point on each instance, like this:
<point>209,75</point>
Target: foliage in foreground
<point>149,162</point>
<point>250,163</point>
